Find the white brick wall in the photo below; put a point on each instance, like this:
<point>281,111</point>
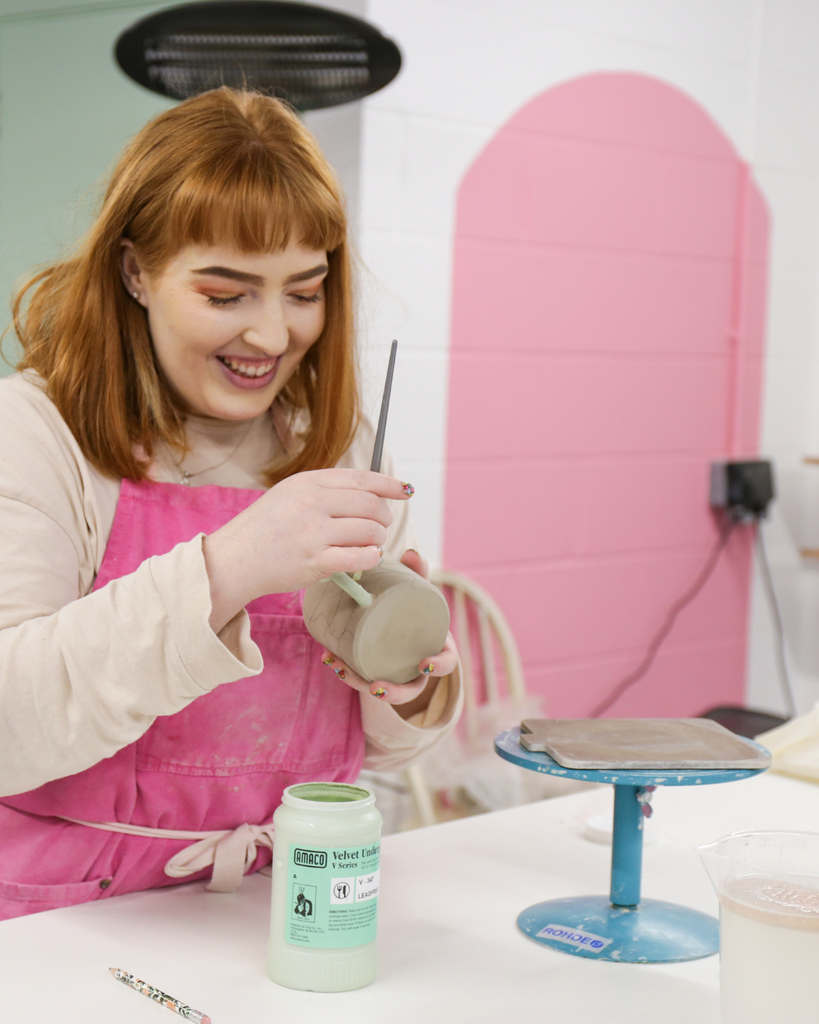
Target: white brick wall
<point>468,65</point>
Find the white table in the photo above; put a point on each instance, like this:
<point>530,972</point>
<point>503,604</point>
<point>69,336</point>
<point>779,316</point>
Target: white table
<point>448,946</point>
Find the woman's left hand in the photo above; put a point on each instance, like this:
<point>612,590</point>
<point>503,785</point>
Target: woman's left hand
<point>408,698</point>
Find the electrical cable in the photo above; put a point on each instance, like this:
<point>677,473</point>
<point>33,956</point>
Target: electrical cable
<point>781,661</point>
<point>668,624</point>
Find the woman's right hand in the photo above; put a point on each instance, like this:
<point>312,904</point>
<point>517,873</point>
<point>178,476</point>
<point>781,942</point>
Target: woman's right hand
<point>305,528</point>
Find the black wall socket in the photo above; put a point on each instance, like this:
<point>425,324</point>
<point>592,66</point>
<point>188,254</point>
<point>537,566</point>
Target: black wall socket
<point>744,489</point>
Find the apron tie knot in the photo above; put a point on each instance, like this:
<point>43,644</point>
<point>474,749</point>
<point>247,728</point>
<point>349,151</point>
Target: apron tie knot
<point>231,853</point>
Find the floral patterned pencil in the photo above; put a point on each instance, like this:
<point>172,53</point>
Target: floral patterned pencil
<point>160,997</point>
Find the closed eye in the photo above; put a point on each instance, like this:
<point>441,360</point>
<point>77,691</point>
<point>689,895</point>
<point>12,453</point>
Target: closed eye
<point>227,300</point>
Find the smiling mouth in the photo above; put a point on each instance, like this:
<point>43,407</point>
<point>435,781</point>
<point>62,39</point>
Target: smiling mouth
<point>248,370</point>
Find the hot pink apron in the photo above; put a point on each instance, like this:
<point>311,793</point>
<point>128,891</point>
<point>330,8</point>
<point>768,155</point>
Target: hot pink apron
<point>215,767</point>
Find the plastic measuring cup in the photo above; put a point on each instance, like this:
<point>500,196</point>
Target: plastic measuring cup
<point>768,888</point>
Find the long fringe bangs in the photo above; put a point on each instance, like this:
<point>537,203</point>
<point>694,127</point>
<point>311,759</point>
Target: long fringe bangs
<point>248,208</point>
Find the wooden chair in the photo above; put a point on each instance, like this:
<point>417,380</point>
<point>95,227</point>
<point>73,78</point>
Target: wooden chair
<point>482,634</point>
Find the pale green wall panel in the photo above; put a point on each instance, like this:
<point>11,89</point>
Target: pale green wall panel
<point>19,9</point>
<point>66,112</point>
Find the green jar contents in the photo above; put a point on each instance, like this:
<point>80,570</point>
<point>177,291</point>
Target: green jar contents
<point>332,797</point>
<point>326,851</point>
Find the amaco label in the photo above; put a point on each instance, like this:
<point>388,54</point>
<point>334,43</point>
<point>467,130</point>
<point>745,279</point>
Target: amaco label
<point>333,895</point>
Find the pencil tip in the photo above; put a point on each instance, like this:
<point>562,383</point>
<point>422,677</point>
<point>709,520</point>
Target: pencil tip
<point>113,970</point>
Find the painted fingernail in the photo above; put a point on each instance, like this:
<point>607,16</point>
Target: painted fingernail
<point>380,692</point>
<point>340,673</point>
<point>428,669</point>
<point>408,489</point>
<point>328,659</point>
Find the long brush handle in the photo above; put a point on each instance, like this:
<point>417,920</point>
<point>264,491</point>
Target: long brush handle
<point>381,430</point>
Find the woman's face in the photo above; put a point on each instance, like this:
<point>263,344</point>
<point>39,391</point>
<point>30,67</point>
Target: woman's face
<point>229,328</point>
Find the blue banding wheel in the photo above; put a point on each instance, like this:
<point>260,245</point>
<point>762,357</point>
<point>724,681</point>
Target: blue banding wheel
<point>621,927</point>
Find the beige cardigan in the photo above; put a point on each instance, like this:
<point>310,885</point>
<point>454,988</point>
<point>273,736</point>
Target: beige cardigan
<point>84,674</point>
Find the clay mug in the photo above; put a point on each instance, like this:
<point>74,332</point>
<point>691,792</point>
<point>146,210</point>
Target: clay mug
<point>382,626</point>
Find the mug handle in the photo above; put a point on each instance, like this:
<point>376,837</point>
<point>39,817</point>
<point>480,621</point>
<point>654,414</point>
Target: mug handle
<point>355,590</point>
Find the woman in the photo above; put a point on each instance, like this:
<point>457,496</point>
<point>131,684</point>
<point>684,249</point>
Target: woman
<point>183,454</point>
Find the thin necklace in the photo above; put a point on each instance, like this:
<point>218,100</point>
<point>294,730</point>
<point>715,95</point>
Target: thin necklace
<point>186,477</point>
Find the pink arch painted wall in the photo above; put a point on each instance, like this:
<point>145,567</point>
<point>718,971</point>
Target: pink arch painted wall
<point>607,344</point>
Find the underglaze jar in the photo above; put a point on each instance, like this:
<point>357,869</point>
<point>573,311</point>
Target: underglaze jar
<point>326,853</point>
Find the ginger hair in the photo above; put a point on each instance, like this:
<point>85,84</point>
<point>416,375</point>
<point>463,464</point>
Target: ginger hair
<point>225,167</point>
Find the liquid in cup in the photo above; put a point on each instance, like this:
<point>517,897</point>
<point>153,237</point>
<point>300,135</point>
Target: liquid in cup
<point>768,888</point>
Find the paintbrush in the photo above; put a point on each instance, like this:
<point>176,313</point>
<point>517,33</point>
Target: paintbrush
<point>341,578</point>
<point>381,429</point>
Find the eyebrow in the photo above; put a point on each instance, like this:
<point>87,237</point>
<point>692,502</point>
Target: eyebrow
<point>257,279</point>
<point>305,275</point>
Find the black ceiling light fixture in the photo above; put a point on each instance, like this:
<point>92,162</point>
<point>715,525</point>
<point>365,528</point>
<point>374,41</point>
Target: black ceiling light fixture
<point>310,56</point>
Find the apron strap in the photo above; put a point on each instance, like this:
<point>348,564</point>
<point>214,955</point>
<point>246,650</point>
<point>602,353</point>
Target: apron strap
<point>231,851</point>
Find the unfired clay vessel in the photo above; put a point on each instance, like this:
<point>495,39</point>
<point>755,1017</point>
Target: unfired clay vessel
<point>407,621</point>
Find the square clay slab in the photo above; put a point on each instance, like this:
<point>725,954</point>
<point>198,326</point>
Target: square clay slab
<point>634,743</point>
